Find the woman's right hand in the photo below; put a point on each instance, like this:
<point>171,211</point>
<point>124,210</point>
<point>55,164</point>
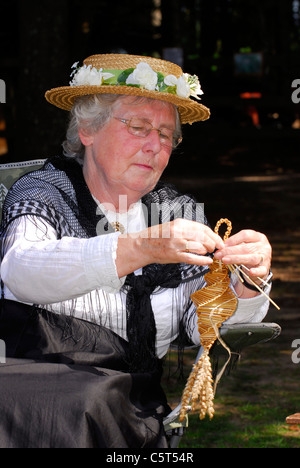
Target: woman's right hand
<point>178,241</point>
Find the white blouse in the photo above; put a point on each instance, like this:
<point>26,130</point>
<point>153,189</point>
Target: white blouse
<point>40,269</point>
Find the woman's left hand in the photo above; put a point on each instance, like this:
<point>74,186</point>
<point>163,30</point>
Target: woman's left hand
<point>249,248</point>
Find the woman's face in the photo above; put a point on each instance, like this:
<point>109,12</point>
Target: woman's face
<point>117,162</point>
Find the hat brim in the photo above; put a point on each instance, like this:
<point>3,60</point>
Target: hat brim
<point>190,111</point>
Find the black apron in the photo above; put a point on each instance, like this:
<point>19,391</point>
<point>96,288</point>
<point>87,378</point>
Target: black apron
<point>66,384</point>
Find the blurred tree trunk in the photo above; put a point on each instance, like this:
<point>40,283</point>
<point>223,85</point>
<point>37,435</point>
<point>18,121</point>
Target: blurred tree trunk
<point>171,25</point>
<point>43,64</point>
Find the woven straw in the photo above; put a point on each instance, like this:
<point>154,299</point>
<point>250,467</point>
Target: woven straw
<point>190,110</point>
<point>215,303</point>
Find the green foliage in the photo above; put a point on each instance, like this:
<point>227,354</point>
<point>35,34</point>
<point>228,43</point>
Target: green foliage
<point>124,75</point>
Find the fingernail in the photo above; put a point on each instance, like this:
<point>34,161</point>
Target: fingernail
<point>218,255</point>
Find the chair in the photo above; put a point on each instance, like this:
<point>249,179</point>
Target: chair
<point>237,337</point>
<point>10,172</point>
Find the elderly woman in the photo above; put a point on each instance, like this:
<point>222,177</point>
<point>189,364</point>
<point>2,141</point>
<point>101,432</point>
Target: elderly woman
<point>104,256</point>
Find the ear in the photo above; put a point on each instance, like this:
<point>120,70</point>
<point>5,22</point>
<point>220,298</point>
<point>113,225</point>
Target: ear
<point>85,138</point>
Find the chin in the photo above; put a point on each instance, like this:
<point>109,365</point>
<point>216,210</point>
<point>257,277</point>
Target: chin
<point>143,188</point>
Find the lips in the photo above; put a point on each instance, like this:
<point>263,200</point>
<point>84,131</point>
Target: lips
<point>144,166</point>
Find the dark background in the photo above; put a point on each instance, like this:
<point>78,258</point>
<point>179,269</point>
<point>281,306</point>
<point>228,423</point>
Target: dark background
<point>40,40</point>
<point>254,136</point>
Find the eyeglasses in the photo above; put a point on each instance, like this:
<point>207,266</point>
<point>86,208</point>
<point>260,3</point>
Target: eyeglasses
<point>142,128</point>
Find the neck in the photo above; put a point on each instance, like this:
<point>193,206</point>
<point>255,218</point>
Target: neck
<point>122,205</point>
<point>117,200</point>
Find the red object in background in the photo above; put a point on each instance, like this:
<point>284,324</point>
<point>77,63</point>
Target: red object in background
<point>251,110</point>
<point>248,95</point>
<point>253,113</point>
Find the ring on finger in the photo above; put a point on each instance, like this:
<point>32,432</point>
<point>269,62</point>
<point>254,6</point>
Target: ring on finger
<point>187,247</point>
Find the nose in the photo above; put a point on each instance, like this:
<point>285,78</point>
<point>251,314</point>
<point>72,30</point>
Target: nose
<point>152,142</point>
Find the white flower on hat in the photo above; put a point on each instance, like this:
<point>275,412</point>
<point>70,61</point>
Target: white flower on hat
<point>181,85</point>
<point>185,86</point>
<point>171,80</point>
<point>144,76</point>
<point>195,86</point>
<point>89,76</point>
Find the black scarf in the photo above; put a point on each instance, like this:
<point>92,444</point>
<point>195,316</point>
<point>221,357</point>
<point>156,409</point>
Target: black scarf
<point>58,193</point>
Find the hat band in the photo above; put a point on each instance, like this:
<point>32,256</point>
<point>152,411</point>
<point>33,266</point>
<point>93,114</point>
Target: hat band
<point>143,76</point>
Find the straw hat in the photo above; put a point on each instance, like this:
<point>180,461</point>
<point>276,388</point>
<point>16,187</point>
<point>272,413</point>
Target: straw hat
<point>133,75</point>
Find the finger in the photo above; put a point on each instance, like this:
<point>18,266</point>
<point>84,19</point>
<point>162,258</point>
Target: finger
<point>261,271</point>
<point>208,238</point>
<point>194,231</point>
<point>258,249</point>
<point>256,265</point>
<point>245,236</point>
<point>240,257</point>
<point>197,248</point>
<point>209,243</point>
<point>202,243</point>
<point>194,259</point>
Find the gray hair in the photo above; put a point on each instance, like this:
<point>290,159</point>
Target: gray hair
<point>90,113</point>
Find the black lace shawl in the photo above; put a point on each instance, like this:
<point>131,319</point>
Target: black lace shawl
<point>58,194</point>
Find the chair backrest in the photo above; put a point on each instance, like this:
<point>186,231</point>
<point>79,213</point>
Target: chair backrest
<point>11,172</point>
